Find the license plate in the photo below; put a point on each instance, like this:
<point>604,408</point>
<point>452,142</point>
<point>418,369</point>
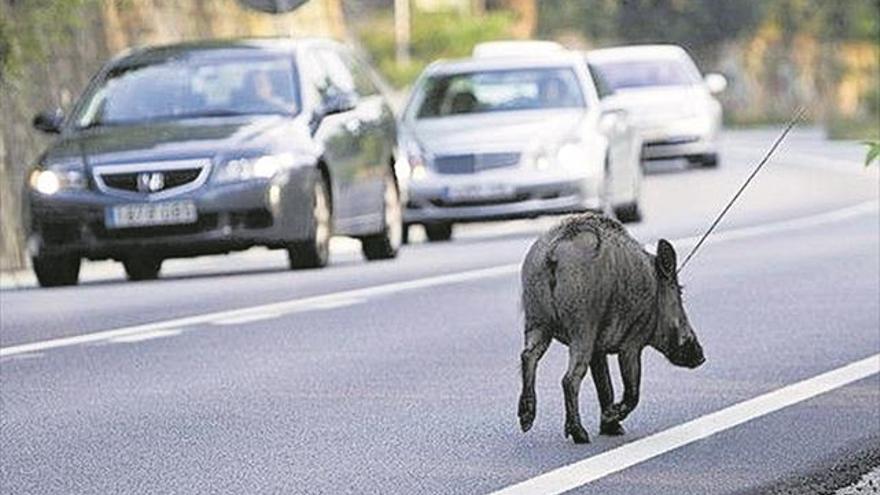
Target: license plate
<point>472,192</point>
<point>150,214</point>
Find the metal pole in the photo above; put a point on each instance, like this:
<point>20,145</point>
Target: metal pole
<point>401,30</point>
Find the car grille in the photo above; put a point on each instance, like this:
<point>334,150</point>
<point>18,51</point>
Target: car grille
<point>172,178</point>
<point>474,163</point>
<point>673,141</point>
<point>155,178</point>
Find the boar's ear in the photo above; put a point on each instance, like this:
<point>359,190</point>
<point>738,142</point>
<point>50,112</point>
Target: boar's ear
<point>665,261</point>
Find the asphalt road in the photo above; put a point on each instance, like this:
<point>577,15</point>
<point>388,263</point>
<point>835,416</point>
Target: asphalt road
<point>402,376</point>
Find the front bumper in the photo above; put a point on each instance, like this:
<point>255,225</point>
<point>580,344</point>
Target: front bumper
<point>431,202</point>
<point>678,138</point>
<point>230,217</point>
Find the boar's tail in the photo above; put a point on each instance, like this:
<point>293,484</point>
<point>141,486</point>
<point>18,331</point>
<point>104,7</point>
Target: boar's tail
<point>567,232</point>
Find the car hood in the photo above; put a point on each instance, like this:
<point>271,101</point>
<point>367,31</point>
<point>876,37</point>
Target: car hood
<point>658,103</point>
<point>507,131</point>
<point>185,139</point>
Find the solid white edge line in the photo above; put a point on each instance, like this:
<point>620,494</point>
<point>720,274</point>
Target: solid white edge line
<point>593,468</point>
<point>334,298</point>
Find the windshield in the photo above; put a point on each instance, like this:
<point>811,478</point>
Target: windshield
<point>646,73</point>
<point>500,90</point>
<point>185,89</point>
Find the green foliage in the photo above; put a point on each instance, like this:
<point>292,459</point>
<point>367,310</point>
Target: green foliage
<point>695,24</point>
<point>29,30</point>
<point>433,36</point>
<point>873,153</point>
<point>836,20</point>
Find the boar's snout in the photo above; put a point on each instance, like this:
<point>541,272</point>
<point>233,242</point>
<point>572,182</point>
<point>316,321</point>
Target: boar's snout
<point>689,355</point>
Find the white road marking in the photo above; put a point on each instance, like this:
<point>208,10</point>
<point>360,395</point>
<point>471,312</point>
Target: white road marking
<point>238,320</point>
<point>343,298</point>
<point>140,337</point>
<point>776,227</point>
<point>320,302</point>
<point>593,468</point>
<point>337,304</point>
<point>787,225</point>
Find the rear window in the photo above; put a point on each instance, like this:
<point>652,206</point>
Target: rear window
<point>499,91</point>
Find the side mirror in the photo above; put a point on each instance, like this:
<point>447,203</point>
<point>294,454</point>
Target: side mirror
<point>338,102</point>
<point>610,119</point>
<point>49,122</point>
<point>715,83</point>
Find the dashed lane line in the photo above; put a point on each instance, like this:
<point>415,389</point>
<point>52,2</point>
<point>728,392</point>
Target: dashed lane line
<point>355,296</point>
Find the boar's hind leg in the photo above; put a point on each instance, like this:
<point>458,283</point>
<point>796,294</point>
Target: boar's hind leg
<point>579,353</point>
<point>537,341</point>
<point>605,391</point>
<point>631,373</point>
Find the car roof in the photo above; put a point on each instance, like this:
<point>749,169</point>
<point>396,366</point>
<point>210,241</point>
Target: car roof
<point>485,63</point>
<point>637,52</point>
<point>217,48</point>
<point>515,48</point>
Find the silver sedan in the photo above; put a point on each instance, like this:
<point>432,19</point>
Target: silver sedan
<point>500,137</point>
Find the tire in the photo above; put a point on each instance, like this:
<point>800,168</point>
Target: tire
<point>56,271</point>
<point>438,232</point>
<point>404,237</point>
<point>385,244</point>
<point>629,212</point>
<point>315,250</point>
<point>139,268</point>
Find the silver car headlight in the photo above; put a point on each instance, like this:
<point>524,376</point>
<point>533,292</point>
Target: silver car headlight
<point>416,161</point>
<point>261,167</point>
<point>570,156</point>
<point>51,181</point>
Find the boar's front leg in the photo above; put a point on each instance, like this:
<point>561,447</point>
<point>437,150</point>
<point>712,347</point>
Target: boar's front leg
<point>579,354</point>
<point>537,341</point>
<point>631,371</point>
<point>605,392</point>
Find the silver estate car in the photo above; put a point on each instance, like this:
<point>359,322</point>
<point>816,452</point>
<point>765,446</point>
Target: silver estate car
<point>503,136</point>
<point>673,106</point>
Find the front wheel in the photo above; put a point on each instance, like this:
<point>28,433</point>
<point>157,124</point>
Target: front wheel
<point>142,268</point>
<point>315,250</point>
<point>385,244</point>
<point>438,232</point>
<point>629,212</point>
<point>56,271</point>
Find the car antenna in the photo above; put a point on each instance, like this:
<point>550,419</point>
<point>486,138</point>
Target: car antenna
<point>788,127</point>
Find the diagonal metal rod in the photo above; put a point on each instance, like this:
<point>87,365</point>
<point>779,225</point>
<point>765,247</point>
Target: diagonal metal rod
<point>742,188</point>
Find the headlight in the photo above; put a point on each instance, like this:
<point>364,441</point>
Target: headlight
<point>571,156</point>
<point>263,167</point>
<point>415,157</point>
<point>49,182</point>
<point>417,169</point>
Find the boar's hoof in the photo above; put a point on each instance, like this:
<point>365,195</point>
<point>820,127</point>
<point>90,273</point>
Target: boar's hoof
<point>526,413</point>
<point>616,412</point>
<point>577,433</point>
<point>611,428</point>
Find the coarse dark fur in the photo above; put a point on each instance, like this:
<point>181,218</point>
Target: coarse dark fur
<point>588,284</point>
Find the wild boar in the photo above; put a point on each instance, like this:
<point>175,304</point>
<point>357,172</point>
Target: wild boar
<point>588,284</point>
